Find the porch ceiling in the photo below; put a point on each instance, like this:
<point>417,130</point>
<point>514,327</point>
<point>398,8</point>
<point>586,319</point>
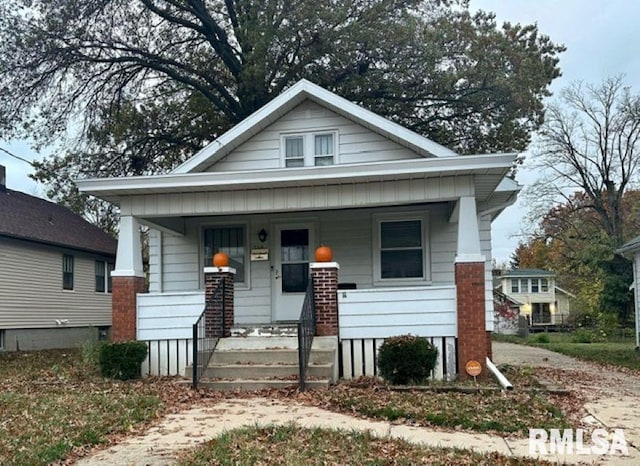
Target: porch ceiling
<point>487,171</point>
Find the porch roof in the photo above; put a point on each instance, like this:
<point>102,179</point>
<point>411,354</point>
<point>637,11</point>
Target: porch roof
<point>488,171</point>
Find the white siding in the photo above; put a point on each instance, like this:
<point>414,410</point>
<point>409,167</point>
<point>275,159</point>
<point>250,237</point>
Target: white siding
<point>484,224</point>
<point>356,144</point>
<point>348,232</point>
<point>381,313</point>
<point>31,294</point>
<point>168,315</point>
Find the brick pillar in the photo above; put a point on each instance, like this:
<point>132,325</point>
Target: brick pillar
<point>123,306</point>
<point>325,294</point>
<point>214,324</point>
<point>472,334</point>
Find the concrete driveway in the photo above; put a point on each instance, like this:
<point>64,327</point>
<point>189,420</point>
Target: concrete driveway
<point>612,395</point>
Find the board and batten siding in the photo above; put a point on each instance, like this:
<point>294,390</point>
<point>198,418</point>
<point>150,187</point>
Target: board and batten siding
<point>31,294</point>
<point>356,144</point>
<point>348,232</point>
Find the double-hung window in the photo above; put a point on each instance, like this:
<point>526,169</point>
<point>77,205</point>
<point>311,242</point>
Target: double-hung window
<point>544,285</point>
<point>401,249</point>
<point>306,150</point>
<point>535,285</point>
<point>515,285</point>
<point>231,241</point>
<point>103,276</point>
<point>67,272</point>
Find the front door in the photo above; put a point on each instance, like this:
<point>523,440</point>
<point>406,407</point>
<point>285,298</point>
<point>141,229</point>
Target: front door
<point>290,273</point>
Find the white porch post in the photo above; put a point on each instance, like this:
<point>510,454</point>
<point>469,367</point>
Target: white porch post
<point>468,232</point>
<point>474,342</point>
<point>127,282</point>
<point>129,255</point>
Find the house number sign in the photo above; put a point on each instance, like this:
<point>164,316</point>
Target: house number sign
<point>259,255</point>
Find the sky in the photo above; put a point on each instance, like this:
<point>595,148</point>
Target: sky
<point>601,40</point>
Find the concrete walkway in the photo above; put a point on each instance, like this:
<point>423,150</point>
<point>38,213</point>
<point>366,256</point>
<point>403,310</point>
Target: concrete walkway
<point>161,444</point>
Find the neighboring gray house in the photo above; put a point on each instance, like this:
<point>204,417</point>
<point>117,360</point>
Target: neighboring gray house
<point>54,279</point>
<point>409,222</point>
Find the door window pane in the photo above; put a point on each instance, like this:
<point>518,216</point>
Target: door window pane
<point>229,240</point>
<point>401,249</point>
<point>294,256</point>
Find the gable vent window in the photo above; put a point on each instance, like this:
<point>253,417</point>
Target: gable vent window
<point>67,272</point>
<point>308,150</point>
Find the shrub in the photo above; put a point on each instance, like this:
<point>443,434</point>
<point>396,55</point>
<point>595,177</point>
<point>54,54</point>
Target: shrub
<point>540,338</point>
<point>122,360</point>
<point>585,335</point>
<point>406,359</point>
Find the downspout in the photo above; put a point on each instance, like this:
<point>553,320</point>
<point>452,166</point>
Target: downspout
<point>502,380</point>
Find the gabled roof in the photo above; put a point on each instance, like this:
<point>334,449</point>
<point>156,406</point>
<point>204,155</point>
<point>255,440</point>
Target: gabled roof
<point>30,218</point>
<point>528,273</point>
<point>287,101</point>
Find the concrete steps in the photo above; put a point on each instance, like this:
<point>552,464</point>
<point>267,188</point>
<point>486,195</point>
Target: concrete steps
<point>257,362</point>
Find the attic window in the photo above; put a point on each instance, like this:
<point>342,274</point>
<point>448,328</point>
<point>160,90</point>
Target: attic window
<point>308,150</point>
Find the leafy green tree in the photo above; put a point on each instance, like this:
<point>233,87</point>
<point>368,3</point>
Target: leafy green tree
<point>135,87</point>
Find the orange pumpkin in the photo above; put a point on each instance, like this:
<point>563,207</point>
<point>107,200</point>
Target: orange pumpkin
<point>324,254</point>
<point>221,260</point>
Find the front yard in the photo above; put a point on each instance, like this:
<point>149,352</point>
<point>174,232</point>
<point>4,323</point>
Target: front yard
<point>54,406</point>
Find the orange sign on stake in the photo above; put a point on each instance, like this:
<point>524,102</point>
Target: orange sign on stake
<point>473,368</point>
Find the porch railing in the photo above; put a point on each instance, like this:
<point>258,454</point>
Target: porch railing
<point>306,332</point>
<point>206,333</point>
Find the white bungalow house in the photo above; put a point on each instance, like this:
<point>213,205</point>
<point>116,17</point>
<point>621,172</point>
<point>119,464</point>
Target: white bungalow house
<point>632,251</point>
<point>408,220</point>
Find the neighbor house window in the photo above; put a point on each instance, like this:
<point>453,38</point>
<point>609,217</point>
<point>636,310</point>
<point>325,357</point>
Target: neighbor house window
<point>544,285</point>
<point>401,249</point>
<point>535,285</point>
<point>231,241</point>
<point>524,285</point>
<point>67,272</point>
<point>307,150</point>
<point>515,285</point>
<point>101,276</point>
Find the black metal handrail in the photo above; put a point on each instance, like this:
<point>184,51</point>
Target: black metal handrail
<point>306,332</point>
<point>205,337</point>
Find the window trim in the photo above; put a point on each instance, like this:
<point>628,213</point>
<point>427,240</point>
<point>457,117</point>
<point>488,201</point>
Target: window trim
<point>308,147</point>
<point>103,282</point>
<point>109,266</point>
<point>72,272</point>
<point>246,285</point>
<point>377,220</point>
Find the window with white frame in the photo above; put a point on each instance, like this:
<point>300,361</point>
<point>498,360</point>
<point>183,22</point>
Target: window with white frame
<point>313,149</point>
<point>544,285</point>
<point>231,241</point>
<point>67,272</point>
<point>103,271</point>
<point>401,254</point>
<point>515,285</point>
<point>535,285</point>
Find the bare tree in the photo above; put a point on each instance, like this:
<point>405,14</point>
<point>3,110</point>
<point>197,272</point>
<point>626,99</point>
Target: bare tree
<point>590,143</point>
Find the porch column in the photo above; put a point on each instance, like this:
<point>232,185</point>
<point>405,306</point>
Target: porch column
<point>473,341</point>
<point>127,281</point>
<point>325,295</point>
<point>219,316</point>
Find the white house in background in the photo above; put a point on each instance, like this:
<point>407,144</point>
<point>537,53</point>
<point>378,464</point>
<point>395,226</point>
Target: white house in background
<point>632,251</point>
<point>54,280</point>
<point>409,222</point>
<point>542,301</point>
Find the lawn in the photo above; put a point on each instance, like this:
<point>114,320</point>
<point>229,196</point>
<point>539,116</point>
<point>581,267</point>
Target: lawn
<point>54,406</point>
<point>291,445</point>
<point>616,352</point>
